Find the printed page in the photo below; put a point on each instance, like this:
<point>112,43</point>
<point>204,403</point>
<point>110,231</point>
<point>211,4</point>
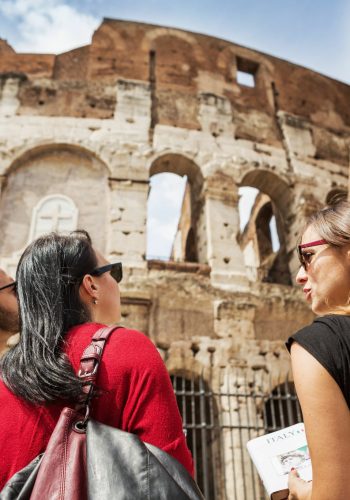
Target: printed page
<point>276,453</point>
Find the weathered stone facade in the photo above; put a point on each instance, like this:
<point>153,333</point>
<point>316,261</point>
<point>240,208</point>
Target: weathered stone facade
<point>94,124</point>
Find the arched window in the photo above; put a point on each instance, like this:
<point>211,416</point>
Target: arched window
<point>53,213</point>
<point>262,237</point>
<point>174,209</point>
<point>164,214</point>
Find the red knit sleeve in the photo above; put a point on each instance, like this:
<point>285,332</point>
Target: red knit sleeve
<point>150,409</point>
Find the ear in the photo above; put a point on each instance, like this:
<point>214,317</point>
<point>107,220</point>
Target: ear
<point>89,288</point>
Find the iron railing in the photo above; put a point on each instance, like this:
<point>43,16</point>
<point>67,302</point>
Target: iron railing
<point>219,422</point>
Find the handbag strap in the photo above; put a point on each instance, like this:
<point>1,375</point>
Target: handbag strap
<point>90,362</point>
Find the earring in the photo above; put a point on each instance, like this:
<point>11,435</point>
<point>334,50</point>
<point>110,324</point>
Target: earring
<point>94,301</point>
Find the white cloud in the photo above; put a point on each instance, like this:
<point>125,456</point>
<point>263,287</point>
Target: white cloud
<point>48,26</point>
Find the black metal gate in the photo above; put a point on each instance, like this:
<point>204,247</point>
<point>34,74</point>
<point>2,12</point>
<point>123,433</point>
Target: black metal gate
<point>219,422</point>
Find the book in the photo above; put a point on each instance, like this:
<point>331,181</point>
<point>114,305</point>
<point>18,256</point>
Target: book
<point>276,453</point>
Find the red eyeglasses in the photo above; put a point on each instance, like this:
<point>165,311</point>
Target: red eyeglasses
<point>305,257</point>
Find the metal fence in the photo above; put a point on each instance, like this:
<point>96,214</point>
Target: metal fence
<point>219,422</point>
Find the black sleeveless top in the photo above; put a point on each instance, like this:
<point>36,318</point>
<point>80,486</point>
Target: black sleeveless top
<point>328,340</point>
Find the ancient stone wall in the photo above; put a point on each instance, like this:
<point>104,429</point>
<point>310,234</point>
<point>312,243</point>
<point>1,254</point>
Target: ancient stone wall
<point>94,124</point>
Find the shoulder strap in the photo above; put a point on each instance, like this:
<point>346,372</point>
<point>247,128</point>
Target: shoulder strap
<point>91,359</point>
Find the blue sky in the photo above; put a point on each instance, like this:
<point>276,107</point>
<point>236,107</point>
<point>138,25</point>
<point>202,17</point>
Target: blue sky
<point>312,33</point>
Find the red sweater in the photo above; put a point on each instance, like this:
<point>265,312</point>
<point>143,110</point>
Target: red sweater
<point>137,396</point>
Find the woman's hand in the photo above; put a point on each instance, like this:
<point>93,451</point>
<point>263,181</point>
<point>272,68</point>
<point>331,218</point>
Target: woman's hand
<point>298,488</point>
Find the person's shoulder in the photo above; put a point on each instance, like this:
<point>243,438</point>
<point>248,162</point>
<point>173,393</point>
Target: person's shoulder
<point>322,327</point>
<point>133,346</point>
<point>130,336</point>
<point>329,324</point>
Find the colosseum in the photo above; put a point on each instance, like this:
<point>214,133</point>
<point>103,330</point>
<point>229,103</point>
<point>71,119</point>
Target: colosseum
<point>82,134</point>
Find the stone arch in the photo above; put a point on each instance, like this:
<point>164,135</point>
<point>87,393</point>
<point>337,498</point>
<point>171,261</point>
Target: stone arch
<point>53,169</point>
<point>192,201</point>
<point>278,189</point>
<point>180,164</point>
<point>150,38</point>
<point>38,149</point>
<point>274,200</point>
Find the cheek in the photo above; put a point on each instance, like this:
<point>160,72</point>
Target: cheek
<point>11,304</point>
<point>113,293</point>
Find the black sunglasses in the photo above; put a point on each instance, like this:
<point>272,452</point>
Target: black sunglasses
<point>14,284</point>
<point>115,269</point>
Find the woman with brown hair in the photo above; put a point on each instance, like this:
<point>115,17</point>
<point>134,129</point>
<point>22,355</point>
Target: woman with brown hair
<point>320,354</point>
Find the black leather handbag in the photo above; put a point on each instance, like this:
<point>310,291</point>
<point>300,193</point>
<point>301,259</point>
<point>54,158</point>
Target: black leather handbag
<point>86,459</point>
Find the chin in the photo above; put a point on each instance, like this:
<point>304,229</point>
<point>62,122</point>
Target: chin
<point>319,310</point>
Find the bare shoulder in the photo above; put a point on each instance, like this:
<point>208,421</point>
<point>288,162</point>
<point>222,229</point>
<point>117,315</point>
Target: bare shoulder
<point>316,388</point>
<point>327,423</point>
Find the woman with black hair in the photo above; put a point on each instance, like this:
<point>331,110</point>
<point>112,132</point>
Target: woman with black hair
<point>66,292</point>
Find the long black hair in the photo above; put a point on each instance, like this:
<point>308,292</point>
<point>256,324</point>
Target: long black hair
<point>48,277</point>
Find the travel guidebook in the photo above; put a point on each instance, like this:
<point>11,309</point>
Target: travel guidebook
<point>276,453</point>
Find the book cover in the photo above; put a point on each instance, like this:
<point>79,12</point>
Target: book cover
<point>276,453</point>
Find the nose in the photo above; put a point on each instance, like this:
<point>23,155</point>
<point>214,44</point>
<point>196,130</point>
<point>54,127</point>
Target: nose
<point>301,276</point>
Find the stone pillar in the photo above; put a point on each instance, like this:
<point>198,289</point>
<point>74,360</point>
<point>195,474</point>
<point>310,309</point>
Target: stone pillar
<point>127,238</point>
<point>219,225</point>
<point>238,418</point>
<point>9,102</point>
<point>297,136</point>
<point>215,115</point>
<point>133,109</point>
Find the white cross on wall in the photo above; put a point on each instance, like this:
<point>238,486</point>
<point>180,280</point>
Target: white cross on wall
<point>55,216</point>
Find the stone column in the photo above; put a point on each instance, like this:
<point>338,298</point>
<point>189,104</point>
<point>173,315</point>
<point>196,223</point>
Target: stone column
<point>217,234</point>
<point>238,418</point>
<point>127,238</point>
<point>9,102</point>
<point>133,109</point>
<point>215,115</point>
